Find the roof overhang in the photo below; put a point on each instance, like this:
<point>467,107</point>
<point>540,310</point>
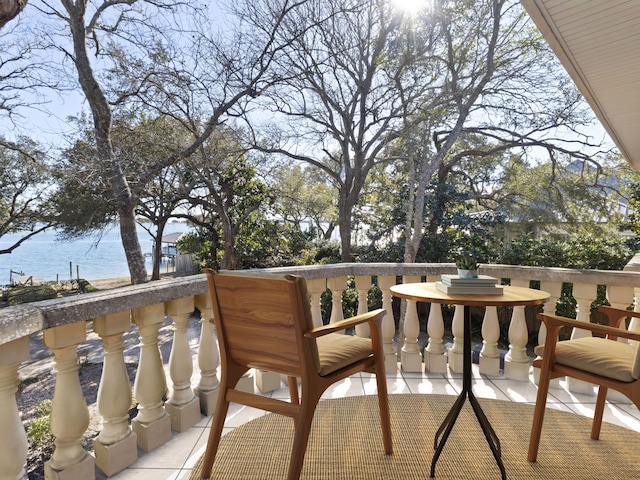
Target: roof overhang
<point>598,42</point>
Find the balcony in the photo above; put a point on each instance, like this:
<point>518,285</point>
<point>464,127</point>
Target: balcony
<point>176,392</point>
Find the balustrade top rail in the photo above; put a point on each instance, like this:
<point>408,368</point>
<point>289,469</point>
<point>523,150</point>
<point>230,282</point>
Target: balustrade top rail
<point>23,320</point>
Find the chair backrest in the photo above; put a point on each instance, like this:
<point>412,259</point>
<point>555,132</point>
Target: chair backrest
<point>261,321</point>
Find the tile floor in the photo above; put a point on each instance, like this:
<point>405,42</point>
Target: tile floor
<point>174,460</point>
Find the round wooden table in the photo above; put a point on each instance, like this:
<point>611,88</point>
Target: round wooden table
<point>511,297</point>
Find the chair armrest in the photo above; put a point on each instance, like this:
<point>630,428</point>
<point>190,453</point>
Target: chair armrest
<point>374,317</point>
<point>554,322</point>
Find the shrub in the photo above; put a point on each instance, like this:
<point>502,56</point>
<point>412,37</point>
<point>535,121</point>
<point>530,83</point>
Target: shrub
<point>18,295</point>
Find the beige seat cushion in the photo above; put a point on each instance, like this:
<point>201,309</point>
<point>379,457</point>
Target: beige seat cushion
<point>336,351</point>
<point>603,357</point>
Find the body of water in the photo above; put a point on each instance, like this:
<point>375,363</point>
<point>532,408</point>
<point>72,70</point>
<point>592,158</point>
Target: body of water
<point>45,256</point>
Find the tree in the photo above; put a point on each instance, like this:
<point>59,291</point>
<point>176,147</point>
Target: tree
<point>127,54</point>
<point>345,82</point>
<point>24,192</point>
<point>303,196</point>
<point>500,90</point>
<point>223,192</point>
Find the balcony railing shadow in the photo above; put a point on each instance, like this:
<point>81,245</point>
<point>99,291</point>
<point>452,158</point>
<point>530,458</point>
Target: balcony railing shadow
<point>144,321</point>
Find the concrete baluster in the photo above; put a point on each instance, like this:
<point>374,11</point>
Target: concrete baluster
<point>116,445</point>
<point>456,352</point>
<point>13,454</point>
<point>388,324</point>
<point>554,289</point>
<point>183,405</point>
<point>152,424</point>
<point>337,285</point>
<point>585,294</point>
<point>516,361</point>
<point>622,297</point>
<point>410,357</point>
<point>208,357</point>
<point>435,360</point>
<point>363,284</point>
<point>489,362</point>
<point>69,412</point>
<point>316,287</point>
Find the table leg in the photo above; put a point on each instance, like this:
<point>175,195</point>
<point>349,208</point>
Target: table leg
<point>447,425</point>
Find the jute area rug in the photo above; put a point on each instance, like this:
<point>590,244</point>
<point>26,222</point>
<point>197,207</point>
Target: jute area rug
<point>346,443</point>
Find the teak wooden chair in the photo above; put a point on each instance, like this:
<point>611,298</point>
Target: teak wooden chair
<point>265,322</point>
<point>603,361</point>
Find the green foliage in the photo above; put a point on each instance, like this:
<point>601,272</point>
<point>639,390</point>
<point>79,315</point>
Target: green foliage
<point>27,294</point>
<point>85,286</point>
<point>466,262</point>
<point>39,431</point>
<point>322,252</point>
<point>25,188</point>
<point>580,251</point>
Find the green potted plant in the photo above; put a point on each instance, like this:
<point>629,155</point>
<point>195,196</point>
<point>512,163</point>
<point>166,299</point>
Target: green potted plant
<point>467,267</point>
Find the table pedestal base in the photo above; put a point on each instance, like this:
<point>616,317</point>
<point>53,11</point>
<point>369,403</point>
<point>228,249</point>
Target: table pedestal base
<point>447,425</point>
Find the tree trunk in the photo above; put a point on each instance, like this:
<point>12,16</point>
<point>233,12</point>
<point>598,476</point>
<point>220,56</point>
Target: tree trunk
<point>157,252</point>
<point>101,112</point>
<point>9,9</point>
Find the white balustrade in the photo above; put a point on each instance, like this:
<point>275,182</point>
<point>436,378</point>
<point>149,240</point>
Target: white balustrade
<point>337,285</point>
<point>363,285</point>
<point>152,424</point>
<point>13,454</point>
<point>410,357</point>
<point>435,359</point>
<point>516,361</point>
<point>554,289</point>
<point>489,362</point>
<point>208,356</point>
<point>116,445</point>
<point>622,297</point>
<point>456,352</point>
<point>385,283</point>
<point>585,294</point>
<point>316,287</point>
<point>183,405</point>
<point>69,416</point>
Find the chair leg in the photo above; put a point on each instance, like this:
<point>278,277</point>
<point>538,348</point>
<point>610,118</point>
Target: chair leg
<point>219,415</point>
<point>301,437</point>
<point>231,378</point>
<point>383,404</point>
<point>538,414</point>
<point>597,415</point>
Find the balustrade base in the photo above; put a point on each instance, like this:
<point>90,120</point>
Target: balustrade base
<point>435,362</point>
<point>85,469</point>
<point>390,363</point>
<point>152,435</point>
<point>456,361</point>
<point>489,366</point>
<point>114,458</point>
<point>245,384</point>
<point>580,386</point>
<point>517,371</point>
<point>267,381</point>
<point>617,397</point>
<point>411,362</point>
<point>554,383</point>
<point>183,417</point>
<point>208,400</point>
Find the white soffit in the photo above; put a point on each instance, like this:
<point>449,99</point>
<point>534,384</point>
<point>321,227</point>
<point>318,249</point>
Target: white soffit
<point>598,42</point>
